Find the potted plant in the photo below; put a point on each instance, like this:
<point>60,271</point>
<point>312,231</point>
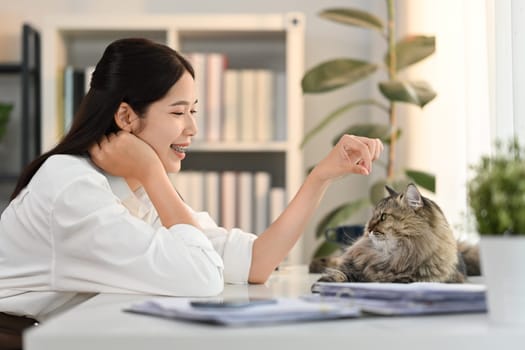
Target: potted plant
<point>496,196</point>
<point>5,110</point>
<point>342,72</point>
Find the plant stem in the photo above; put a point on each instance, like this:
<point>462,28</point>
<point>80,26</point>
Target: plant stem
<point>391,39</point>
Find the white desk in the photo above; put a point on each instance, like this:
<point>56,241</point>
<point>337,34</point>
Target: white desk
<point>99,323</point>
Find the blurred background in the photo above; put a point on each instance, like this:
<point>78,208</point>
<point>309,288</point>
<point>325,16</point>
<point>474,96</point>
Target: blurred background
<point>477,72</point>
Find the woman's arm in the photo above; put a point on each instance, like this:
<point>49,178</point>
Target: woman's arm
<point>351,154</point>
<point>123,154</point>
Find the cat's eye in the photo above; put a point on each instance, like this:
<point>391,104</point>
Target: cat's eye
<point>383,217</point>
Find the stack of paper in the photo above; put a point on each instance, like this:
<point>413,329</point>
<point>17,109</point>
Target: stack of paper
<point>406,299</point>
<point>284,310</point>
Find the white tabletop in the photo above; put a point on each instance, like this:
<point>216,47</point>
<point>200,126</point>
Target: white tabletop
<point>100,323</point>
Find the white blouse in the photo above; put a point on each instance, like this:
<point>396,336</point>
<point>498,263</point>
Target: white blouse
<point>75,231</point>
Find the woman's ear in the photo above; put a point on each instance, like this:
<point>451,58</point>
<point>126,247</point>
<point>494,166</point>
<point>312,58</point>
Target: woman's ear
<point>125,117</point>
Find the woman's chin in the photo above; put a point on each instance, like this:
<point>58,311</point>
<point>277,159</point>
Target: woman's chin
<point>172,167</point>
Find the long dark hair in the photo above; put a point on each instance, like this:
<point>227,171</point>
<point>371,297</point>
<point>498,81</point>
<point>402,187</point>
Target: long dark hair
<point>135,71</point>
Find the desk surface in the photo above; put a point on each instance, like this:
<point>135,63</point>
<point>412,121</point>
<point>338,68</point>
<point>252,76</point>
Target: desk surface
<point>99,323</point>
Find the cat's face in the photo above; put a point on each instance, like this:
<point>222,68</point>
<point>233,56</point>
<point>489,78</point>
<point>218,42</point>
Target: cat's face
<point>403,215</point>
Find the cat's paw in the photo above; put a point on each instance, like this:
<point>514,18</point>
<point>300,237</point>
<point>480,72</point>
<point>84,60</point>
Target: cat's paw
<point>333,275</point>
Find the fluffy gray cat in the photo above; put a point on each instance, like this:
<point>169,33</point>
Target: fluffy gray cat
<point>407,239</point>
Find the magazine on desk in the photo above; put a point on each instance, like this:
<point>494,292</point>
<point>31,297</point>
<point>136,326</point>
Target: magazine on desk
<point>406,298</point>
<point>282,310</point>
<point>331,301</point>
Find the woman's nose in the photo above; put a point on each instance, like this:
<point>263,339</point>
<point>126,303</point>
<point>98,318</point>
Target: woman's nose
<point>191,125</point>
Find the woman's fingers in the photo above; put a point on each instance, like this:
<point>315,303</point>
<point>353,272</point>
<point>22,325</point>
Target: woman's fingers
<point>361,151</point>
<point>358,152</point>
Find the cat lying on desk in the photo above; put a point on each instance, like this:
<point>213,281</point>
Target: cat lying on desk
<point>408,239</point>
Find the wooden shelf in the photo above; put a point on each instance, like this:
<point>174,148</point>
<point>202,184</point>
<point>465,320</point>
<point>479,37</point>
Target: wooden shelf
<point>274,42</point>
<point>28,143</point>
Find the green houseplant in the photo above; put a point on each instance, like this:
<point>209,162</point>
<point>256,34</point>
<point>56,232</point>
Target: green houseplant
<point>5,110</point>
<point>496,195</point>
<point>342,72</point>
<point>496,192</point>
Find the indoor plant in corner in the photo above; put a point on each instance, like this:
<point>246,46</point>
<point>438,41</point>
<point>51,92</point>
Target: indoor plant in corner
<point>342,72</point>
<point>496,195</point>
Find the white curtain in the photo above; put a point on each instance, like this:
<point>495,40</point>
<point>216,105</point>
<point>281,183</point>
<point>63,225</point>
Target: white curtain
<point>452,131</point>
<point>507,53</point>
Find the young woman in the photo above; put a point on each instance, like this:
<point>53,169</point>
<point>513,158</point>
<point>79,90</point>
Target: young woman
<point>98,212</point>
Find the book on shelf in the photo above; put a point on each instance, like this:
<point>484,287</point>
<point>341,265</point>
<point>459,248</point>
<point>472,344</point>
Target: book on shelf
<point>231,106</point>
<point>245,201</point>
<point>264,101</point>
<point>280,120</point>
<point>262,184</point>
<point>216,65</point>
<point>228,199</point>
<point>232,198</point>
<point>212,194</point>
<point>247,105</point>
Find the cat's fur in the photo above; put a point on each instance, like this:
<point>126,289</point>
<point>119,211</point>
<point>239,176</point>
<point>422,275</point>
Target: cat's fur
<point>407,239</point>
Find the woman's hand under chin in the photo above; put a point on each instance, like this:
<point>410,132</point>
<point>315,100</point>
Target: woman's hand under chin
<point>124,154</point>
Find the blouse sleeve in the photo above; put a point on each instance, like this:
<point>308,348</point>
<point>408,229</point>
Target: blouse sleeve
<point>100,247</point>
<point>235,247</point>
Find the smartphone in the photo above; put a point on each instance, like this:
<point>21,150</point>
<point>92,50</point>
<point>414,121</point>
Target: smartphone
<point>231,303</point>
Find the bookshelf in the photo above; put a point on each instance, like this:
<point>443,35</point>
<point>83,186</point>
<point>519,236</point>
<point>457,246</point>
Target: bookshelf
<point>270,42</point>
<point>21,142</point>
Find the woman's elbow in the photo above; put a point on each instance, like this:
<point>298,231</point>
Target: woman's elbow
<point>258,277</point>
<point>209,283</point>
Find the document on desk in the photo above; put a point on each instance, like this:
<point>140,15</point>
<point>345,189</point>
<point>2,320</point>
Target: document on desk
<point>285,310</point>
<point>406,298</point>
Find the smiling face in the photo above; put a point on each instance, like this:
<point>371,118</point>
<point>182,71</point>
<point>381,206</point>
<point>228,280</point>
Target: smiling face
<point>168,124</point>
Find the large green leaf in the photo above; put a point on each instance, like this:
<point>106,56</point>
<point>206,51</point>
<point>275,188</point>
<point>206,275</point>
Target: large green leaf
<point>353,17</point>
<point>412,49</point>
<point>418,93</point>
<point>339,112</point>
<point>334,74</point>
<point>423,179</point>
<point>379,131</point>
<point>5,109</point>
<point>325,249</point>
<point>339,215</point>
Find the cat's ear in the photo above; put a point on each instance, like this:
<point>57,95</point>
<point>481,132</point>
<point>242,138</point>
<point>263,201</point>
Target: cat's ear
<point>391,191</point>
<point>413,198</point>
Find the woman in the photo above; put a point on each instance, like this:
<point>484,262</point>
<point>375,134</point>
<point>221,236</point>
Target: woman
<point>98,212</point>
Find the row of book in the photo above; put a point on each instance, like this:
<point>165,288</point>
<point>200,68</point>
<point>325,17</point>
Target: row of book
<point>238,104</point>
<point>242,199</point>
<point>246,105</point>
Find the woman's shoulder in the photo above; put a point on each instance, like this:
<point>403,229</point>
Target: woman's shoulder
<point>65,163</point>
<point>62,169</point>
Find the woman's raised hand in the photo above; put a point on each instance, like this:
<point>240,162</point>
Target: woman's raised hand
<point>124,154</point>
<point>351,155</point>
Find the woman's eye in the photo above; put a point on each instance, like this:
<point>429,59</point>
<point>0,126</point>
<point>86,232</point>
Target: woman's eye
<point>178,113</point>
<point>193,111</point>
<point>383,217</point>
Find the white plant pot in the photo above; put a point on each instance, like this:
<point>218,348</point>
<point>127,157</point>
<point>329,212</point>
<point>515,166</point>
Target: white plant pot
<point>503,269</point>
